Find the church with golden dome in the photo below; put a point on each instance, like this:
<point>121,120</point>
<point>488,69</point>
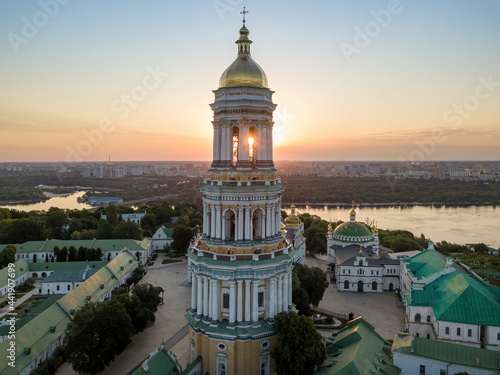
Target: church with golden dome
<point>240,267</point>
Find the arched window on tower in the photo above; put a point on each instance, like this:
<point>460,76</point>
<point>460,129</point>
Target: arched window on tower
<point>236,142</point>
<point>251,144</point>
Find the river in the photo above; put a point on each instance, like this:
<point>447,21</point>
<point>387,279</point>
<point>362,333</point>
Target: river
<point>453,224</point>
<point>461,225</point>
<point>68,202</point>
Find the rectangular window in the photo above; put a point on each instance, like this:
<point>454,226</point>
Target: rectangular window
<point>447,330</point>
<point>422,370</point>
<point>459,331</point>
<point>69,287</point>
<point>261,299</point>
<point>58,287</point>
<point>469,333</point>
<point>428,318</point>
<point>225,301</point>
<point>442,372</point>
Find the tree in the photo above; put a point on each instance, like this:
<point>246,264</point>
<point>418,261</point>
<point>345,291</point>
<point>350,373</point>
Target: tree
<point>105,230</point>
<point>481,248</point>
<point>182,237</point>
<point>62,257</point>
<point>98,332</point>
<point>112,215</point>
<point>5,213</point>
<point>72,254</point>
<point>7,255</point>
<point>313,281</point>
<point>127,229</point>
<point>148,295</point>
<point>299,348</point>
<point>139,314</point>
<point>300,298</point>
<point>149,222</point>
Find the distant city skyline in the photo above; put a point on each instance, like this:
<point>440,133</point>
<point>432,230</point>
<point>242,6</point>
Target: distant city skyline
<point>354,81</point>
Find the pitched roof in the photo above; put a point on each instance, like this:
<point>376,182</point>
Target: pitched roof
<point>457,297</point>
<point>357,349</point>
<point>427,263</point>
<point>69,276</point>
<point>42,331</point>
<point>21,267</point>
<point>54,266</point>
<point>105,245</point>
<point>446,351</point>
<point>160,362</point>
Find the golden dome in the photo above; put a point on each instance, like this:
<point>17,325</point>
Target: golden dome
<point>292,219</point>
<point>244,71</point>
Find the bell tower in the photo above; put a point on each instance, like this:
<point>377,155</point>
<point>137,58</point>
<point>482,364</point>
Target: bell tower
<point>240,267</point>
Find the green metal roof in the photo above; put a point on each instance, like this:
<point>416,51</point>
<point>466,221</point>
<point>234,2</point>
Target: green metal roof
<point>426,263</point>
<point>49,325</point>
<point>30,313</point>
<point>21,267</point>
<point>446,351</point>
<point>353,229</point>
<point>168,231</point>
<point>55,266</point>
<point>457,297</point>
<point>160,362</point>
<point>105,245</point>
<point>357,349</point>
<point>70,276</point>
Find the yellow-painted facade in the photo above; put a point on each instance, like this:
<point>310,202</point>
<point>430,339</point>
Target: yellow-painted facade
<point>242,357</point>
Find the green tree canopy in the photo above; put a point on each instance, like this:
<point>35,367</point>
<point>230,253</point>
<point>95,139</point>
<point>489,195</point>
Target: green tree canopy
<point>98,332</point>
<point>140,315</point>
<point>128,229</point>
<point>313,281</point>
<point>299,348</point>
<point>7,255</point>
<point>112,215</point>
<point>148,295</point>
<point>182,237</point>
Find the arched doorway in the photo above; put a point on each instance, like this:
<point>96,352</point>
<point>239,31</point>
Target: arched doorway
<point>257,224</point>
<point>346,284</point>
<point>229,225</point>
<point>374,285</point>
<point>360,286</point>
<point>391,287</point>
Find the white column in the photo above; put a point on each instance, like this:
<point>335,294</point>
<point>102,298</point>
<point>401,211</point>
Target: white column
<point>259,144</point>
<point>263,225</point>
<point>216,154</point>
<point>285,292</point>
<point>272,299</point>
<point>240,223</point>
<point>255,301</point>
<point>239,313</point>
<point>199,293</point>
<point>269,221</point>
<point>251,228</point>
<point>248,225</point>
<point>278,216</point>
<point>205,296</point>
<point>210,298</point>
<point>218,222</point>
<point>193,293</point>
<point>223,143</point>
<point>232,302</point>
<point>223,227</point>
<point>290,289</point>
<point>212,224</point>
<point>270,140</point>
<point>244,146</point>
<point>273,220</point>
<point>280,295</point>
<point>215,297</point>
<point>205,221</point>
<point>248,318</point>
<point>264,142</point>
<point>190,272</point>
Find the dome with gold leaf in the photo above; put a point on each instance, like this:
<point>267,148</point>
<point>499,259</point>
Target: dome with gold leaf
<point>292,219</point>
<point>244,71</point>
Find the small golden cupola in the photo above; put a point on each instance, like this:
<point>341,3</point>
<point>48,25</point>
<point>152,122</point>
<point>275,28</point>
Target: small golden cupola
<point>244,71</point>
<point>292,219</point>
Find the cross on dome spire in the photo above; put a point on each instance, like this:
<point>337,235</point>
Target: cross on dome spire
<point>244,13</point>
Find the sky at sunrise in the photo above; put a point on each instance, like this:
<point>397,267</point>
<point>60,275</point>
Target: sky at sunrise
<point>353,80</point>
